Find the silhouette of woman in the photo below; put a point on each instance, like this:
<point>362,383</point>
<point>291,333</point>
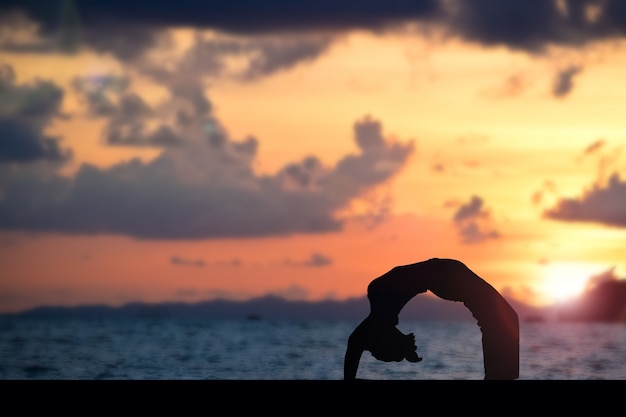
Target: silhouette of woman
<point>448,279</point>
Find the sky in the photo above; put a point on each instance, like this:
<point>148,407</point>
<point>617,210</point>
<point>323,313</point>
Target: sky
<point>192,150</point>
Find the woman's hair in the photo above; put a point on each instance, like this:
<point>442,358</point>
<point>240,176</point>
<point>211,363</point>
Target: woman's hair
<point>389,344</point>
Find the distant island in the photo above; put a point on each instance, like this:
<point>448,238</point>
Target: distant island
<point>262,308</point>
<point>603,301</point>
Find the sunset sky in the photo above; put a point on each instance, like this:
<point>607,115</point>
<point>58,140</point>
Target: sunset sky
<point>189,150</point>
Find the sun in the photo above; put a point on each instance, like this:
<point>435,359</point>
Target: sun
<point>565,280</point>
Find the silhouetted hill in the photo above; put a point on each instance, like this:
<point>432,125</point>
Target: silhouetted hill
<point>422,307</point>
<point>603,301</point>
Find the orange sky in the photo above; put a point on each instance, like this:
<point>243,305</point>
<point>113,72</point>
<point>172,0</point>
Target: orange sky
<point>306,164</point>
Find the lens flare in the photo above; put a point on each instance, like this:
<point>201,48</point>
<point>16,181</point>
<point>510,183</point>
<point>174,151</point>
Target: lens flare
<point>566,280</point>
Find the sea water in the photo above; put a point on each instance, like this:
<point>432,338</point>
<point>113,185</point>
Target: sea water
<point>166,349</point>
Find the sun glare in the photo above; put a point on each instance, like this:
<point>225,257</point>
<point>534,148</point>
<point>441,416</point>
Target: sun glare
<point>563,281</point>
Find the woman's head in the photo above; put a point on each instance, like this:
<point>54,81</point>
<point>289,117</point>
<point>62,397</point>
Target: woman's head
<point>384,341</point>
<point>387,343</point>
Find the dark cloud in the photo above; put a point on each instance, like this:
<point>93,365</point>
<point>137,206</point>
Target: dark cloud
<point>26,110</point>
<point>14,20</point>
<point>178,260</point>
<point>516,23</point>
<point>438,167</point>
<point>594,147</point>
<point>127,28</point>
<point>471,210</point>
<point>23,142</point>
<point>61,26</point>
<point>236,262</point>
<point>128,114</point>
<point>473,222</point>
<point>564,81</point>
<point>206,188</point>
<point>532,25</point>
<point>99,93</point>
<point>257,56</point>
<point>598,150</point>
<point>293,292</point>
<point>604,204</point>
<point>471,233</point>
<point>125,42</point>
<point>315,260</point>
<point>318,259</point>
<point>272,55</point>
<point>377,161</point>
<point>236,16</point>
<point>513,86</point>
<point>547,188</point>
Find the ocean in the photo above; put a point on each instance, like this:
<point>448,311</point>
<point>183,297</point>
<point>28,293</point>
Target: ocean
<point>185,349</point>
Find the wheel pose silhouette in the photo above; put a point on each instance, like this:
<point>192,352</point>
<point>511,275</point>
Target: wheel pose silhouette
<point>448,279</point>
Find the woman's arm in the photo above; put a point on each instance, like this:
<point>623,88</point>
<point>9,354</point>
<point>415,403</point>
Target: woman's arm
<point>351,360</point>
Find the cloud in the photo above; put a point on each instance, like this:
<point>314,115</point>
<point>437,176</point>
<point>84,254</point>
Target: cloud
<point>127,29</point>
<point>249,40</point>
<point>564,81</point>
<point>548,188</point>
<point>315,260</point>
<point>438,167</point>
<point>513,86</point>
<point>269,55</point>
<point>532,26</point>
<point>471,210</point>
<point>473,139</point>
<point>26,110</point>
<point>515,23</point>
<point>377,161</point>
<point>473,222</point>
<point>177,260</point>
<point>128,114</point>
<point>235,262</point>
<point>98,92</point>
<point>603,204</point>
<point>235,16</point>
<point>293,292</point>
<point>318,259</point>
<point>594,147</point>
<point>205,188</point>
<point>212,55</point>
<point>64,27</point>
